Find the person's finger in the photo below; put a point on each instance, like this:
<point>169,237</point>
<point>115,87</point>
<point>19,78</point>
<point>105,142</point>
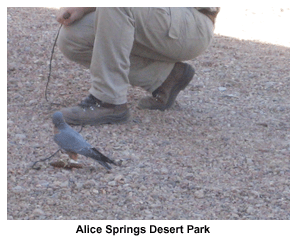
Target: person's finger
<point>70,19</point>
<point>63,16</point>
<point>66,15</point>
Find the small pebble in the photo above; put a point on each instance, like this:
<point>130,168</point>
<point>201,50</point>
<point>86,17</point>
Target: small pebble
<point>112,183</point>
<point>38,212</point>
<point>222,88</point>
<point>199,194</point>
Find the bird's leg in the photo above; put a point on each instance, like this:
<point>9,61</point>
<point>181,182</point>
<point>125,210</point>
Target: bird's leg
<point>65,162</point>
<point>72,155</point>
<point>65,158</point>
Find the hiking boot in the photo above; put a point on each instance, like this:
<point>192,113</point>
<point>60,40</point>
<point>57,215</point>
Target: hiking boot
<point>92,111</point>
<point>165,95</point>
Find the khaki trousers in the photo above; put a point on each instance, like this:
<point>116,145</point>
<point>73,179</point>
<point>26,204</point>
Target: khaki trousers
<point>134,46</point>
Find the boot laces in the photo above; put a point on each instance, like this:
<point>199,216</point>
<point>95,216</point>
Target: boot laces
<point>158,95</point>
<point>90,102</point>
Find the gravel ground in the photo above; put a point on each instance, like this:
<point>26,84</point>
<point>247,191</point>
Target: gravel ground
<point>222,151</point>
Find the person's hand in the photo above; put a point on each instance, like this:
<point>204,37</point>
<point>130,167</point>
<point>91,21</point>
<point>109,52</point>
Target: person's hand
<point>67,16</point>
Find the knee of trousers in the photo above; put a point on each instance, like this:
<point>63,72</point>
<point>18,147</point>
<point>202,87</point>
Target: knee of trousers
<point>63,43</point>
<point>69,44</point>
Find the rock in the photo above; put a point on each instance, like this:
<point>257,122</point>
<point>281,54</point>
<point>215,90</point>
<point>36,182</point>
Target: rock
<point>164,170</point>
<point>199,194</point>
<point>20,136</point>
<point>79,185</point>
<point>42,183</point>
<point>95,191</point>
<point>147,119</point>
<point>120,178</point>
<point>109,177</point>
<point>250,210</point>
<point>18,189</point>
<point>142,187</point>
<point>64,184</point>
<point>269,84</point>
<point>38,212</point>
<point>189,176</point>
<point>103,191</point>
<point>148,212</point>
<point>32,102</point>
<point>114,197</point>
<point>88,184</point>
<point>112,183</point>
<point>222,88</point>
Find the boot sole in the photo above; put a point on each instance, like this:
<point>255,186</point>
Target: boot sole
<point>112,119</point>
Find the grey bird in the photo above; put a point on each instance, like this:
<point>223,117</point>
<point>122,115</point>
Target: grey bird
<point>73,143</point>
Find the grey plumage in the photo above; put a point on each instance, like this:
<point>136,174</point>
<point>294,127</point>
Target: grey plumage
<point>71,141</point>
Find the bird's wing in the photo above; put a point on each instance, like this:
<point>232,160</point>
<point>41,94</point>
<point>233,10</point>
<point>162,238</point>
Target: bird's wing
<point>70,140</point>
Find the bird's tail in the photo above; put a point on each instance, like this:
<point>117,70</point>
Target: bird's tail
<point>103,160</point>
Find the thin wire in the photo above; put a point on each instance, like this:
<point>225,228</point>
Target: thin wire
<point>50,67</point>
<point>42,160</point>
